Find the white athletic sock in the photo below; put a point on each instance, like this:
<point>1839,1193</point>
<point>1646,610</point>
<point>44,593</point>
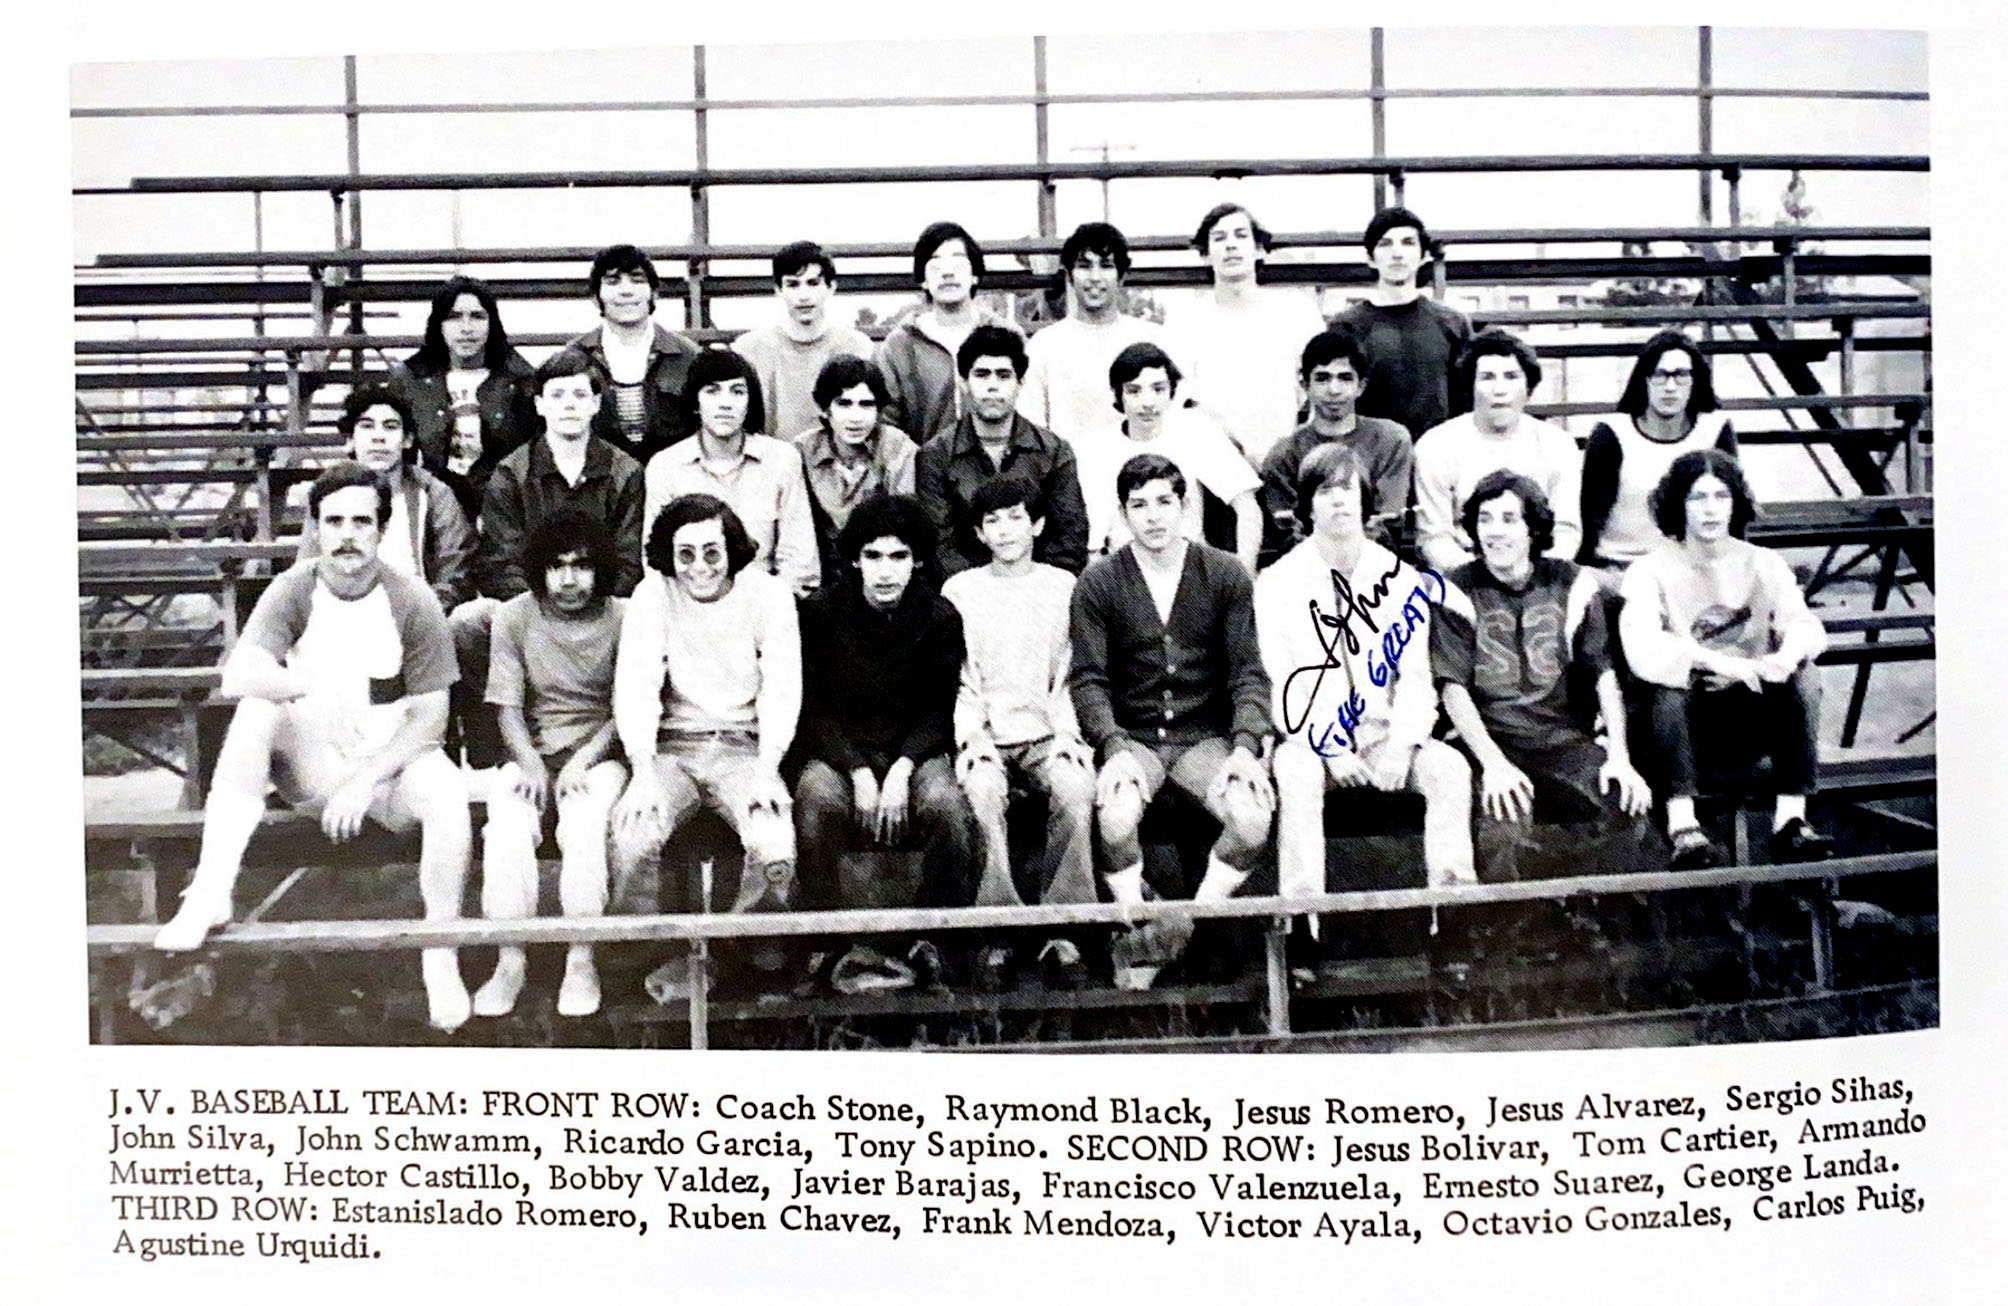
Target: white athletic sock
<point>1680,815</point>
<point>228,822</point>
<point>1220,882</point>
<point>1791,807</point>
<point>1126,885</point>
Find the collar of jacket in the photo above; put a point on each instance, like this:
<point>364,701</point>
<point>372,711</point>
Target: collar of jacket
<point>1024,435</point>
<point>661,341</point>
<point>599,457</point>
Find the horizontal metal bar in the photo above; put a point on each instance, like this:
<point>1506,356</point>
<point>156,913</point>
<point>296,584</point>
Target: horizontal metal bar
<point>345,183</point>
<point>364,936</point>
<point>889,249</point>
<point>1056,98</point>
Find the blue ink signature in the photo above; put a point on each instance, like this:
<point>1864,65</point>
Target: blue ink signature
<point>1336,629</point>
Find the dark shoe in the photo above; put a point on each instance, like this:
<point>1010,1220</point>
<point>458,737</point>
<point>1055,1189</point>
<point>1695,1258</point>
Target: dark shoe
<point>1060,965</point>
<point>1796,841</point>
<point>1693,850</point>
<point>924,959</point>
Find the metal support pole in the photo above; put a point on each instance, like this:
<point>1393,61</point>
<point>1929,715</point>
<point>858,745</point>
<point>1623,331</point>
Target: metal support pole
<point>696,312</point>
<point>1704,98</point>
<point>1789,274</point>
<point>1377,85</point>
<point>1820,907</point>
<point>352,113</point>
<point>1845,328</point>
<point>1278,974</point>
<point>1048,219</point>
<point>191,755</point>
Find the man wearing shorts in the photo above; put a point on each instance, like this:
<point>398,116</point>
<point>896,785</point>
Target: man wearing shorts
<point>1167,685</point>
<point>550,680</point>
<point>342,674</point>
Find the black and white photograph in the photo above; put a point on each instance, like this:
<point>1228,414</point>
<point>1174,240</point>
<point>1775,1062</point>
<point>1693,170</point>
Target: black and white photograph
<point>1347,540</point>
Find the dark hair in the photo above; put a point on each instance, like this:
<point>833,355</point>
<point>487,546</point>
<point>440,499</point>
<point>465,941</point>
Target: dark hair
<point>1336,461</point>
<point>897,515</point>
<point>1133,361</point>
<point>688,510</point>
<point>1096,238</point>
<point>793,259</point>
<point>373,394</point>
<point>1221,210</point>
<point>845,371</point>
<point>1329,346</point>
<point>1669,497</point>
<point>937,235</point>
<point>1142,470</point>
<point>621,258</point>
<point>433,355</point>
<point>1001,492</point>
<point>347,474</point>
<point>567,530</point>
<point>1494,343</point>
<point>1387,220</point>
<point>988,341</point>
<point>564,363</point>
<point>1700,398</point>
<point>1535,509</point>
<point>718,364</point>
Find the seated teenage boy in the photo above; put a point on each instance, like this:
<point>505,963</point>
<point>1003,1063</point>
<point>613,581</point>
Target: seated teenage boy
<point>878,705</point>
<point>707,690</point>
<point>341,676</point>
<point>1350,717</point>
<point>1721,632</point>
<point>1517,633</point>
<point>1014,715</point>
<point>1167,686</point>
<point>551,680</point>
<point>1332,370</point>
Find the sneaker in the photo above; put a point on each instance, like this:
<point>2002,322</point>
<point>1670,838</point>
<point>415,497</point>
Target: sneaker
<point>1797,841</point>
<point>669,984</point>
<point>867,970</point>
<point>1693,850</point>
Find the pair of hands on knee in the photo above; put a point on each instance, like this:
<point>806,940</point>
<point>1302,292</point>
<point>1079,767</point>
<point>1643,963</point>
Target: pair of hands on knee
<point>1722,670</point>
<point>883,807</point>
<point>1388,772</point>
<point>1243,779</point>
<point>1508,795</point>
<point>533,782</point>
<point>645,804</point>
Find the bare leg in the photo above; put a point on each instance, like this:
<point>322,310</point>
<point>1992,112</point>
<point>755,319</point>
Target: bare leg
<point>431,789</point>
<point>508,885</point>
<point>230,817</point>
<point>582,879</point>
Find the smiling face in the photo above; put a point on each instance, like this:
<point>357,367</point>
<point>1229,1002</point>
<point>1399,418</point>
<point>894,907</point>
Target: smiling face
<point>1153,512</point>
<point>1231,250</point>
<point>852,415</point>
<point>703,568</point>
<point>949,277</point>
<point>993,387</point>
<point>1334,389</point>
<point>347,530</point>
<point>805,294</point>
<point>1009,533</point>
<point>626,298</point>
<point>1095,281</point>
<point>1669,387</point>
<point>721,408</point>
<point>378,440</point>
<point>568,582</point>
<point>567,405</point>
<point>1146,398</point>
<point>885,566</point>
<point>1504,540</point>
<point>465,330</point>
<point>1498,391</point>
<point>1397,256</point>
<point>1710,504</point>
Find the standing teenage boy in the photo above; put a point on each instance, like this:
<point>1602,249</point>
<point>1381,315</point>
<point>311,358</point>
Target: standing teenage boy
<point>640,365</point>
<point>1333,368</point>
<point>919,355</point>
<point>1067,371</point>
<point>788,356</point>
<point>1412,342</point>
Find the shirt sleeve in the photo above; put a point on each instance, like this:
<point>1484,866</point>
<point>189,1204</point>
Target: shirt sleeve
<point>821,733</point>
<point>972,712</point>
<point>1588,617</point>
<point>1565,491</point>
<point>638,670</point>
<point>506,675</point>
<point>450,541</point>
<point>895,410</point>
<point>1247,679</point>
<point>498,563</point>
<point>1435,511</point>
<point>937,681</point>
<point>429,662</point>
<point>1034,397</point>
<point>798,559</point>
<point>1657,653</point>
<point>1394,479</point>
<point>1220,466</point>
<point>1603,459</point>
<point>930,486</point>
<point>1453,637</point>
<point>629,529</point>
<point>280,615</point>
<point>778,707</point>
<point>1066,532</point>
<point>1797,630</point>
<point>1279,494</point>
<point>1088,674</point>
